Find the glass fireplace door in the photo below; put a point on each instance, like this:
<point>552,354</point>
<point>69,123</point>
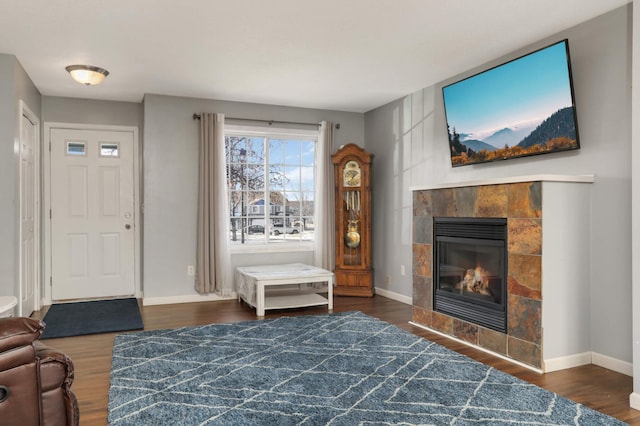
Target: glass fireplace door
<point>470,270</point>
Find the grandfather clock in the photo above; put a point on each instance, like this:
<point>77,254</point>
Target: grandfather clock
<point>352,172</point>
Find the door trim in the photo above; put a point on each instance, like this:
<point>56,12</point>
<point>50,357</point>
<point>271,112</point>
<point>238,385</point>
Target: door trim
<point>48,127</point>
<point>26,111</point>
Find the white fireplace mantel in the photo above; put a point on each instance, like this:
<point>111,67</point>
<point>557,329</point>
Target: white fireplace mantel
<point>510,179</point>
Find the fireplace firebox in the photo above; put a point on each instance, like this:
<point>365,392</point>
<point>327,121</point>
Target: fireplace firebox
<point>470,270</point>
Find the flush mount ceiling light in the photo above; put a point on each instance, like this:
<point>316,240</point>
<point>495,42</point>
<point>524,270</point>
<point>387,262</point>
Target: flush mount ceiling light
<point>87,74</point>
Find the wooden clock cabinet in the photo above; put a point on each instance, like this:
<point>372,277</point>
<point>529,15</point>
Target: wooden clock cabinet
<point>352,173</point>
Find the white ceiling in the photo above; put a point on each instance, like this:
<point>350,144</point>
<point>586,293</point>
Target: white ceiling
<point>349,55</point>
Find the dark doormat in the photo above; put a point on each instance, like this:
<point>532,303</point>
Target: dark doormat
<point>101,316</point>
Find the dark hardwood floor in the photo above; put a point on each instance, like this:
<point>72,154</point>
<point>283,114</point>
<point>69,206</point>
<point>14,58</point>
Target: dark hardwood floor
<point>593,386</point>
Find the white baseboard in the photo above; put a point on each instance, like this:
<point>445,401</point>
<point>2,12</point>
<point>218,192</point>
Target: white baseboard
<point>569,361</point>
<point>407,300</point>
<point>189,298</point>
<point>560,363</point>
<point>586,358</point>
<point>634,401</point>
<point>193,298</point>
<point>480,348</point>
<point>613,364</point>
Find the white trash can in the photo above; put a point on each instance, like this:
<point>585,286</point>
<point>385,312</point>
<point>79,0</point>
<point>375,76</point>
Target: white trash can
<point>6,306</point>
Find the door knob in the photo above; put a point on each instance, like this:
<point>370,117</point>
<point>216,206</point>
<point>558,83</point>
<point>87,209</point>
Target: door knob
<point>127,226</point>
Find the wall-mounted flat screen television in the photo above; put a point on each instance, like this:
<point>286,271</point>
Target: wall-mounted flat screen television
<point>520,108</point>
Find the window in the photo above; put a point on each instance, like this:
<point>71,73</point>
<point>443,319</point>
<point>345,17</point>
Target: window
<point>76,148</point>
<point>271,180</point>
<point>109,150</point>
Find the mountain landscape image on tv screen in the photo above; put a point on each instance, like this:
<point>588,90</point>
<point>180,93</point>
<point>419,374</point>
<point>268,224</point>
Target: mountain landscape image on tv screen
<point>520,108</point>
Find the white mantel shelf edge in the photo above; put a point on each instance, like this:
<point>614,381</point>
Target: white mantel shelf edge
<point>510,179</point>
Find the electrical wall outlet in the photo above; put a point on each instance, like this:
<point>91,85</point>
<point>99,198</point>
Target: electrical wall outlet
<point>191,270</point>
<point>388,279</point>
<point>402,271</point>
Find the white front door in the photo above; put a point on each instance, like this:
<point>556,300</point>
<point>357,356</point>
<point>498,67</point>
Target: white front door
<point>92,214</point>
<point>29,195</point>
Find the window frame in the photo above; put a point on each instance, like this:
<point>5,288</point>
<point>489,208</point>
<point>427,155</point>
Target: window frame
<point>277,133</point>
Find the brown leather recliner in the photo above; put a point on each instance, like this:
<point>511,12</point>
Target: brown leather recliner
<point>35,381</point>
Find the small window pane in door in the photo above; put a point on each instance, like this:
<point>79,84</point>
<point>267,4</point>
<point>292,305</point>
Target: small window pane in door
<point>109,150</point>
<point>76,148</point>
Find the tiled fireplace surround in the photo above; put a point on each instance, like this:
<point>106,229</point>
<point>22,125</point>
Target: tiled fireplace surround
<point>521,203</point>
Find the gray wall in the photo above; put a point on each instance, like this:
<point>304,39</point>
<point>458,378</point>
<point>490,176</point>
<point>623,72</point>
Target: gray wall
<point>169,138</point>
<point>409,140</point>
<point>89,111</point>
<point>170,183</point>
<point>15,85</point>
<point>7,165</point>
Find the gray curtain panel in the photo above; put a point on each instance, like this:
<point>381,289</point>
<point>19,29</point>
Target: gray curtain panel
<point>214,273</point>
<point>325,211</point>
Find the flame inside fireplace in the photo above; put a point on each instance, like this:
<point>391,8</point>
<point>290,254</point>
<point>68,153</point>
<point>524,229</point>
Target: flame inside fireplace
<point>476,281</point>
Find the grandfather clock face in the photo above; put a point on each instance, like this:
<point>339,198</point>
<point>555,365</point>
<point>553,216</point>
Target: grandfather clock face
<point>351,174</point>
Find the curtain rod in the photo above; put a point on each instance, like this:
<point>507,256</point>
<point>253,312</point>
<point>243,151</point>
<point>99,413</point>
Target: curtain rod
<point>270,122</point>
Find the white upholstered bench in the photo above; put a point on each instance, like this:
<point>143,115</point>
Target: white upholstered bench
<point>252,283</point>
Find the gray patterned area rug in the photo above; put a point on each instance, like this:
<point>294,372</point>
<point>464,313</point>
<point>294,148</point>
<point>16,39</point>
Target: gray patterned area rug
<point>335,369</point>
